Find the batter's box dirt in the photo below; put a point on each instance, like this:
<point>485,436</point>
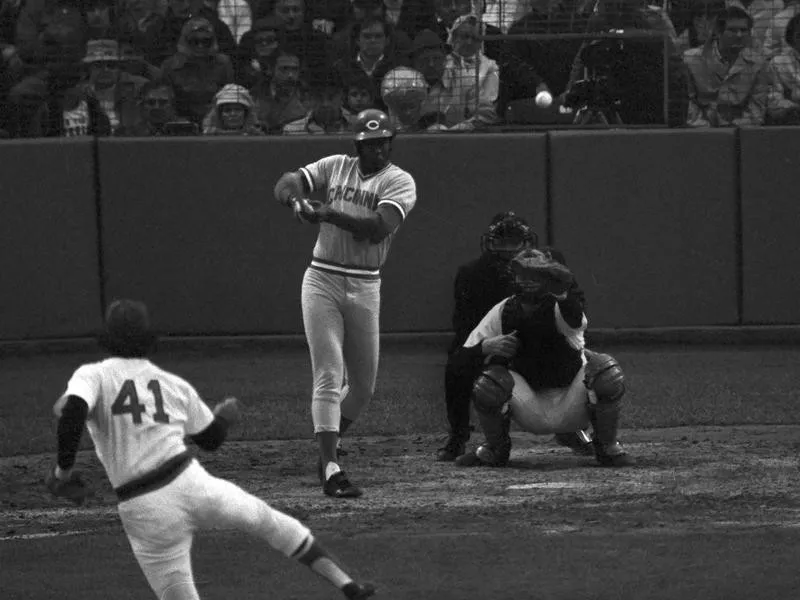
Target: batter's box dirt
<point>685,479</point>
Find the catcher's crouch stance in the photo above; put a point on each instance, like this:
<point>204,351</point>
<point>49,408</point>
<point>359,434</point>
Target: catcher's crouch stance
<point>551,384</point>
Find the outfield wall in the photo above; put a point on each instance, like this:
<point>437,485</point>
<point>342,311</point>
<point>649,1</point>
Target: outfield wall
<point>663,228</point>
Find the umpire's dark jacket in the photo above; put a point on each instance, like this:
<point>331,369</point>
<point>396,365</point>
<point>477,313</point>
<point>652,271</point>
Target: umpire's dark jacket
<point>479,285</point>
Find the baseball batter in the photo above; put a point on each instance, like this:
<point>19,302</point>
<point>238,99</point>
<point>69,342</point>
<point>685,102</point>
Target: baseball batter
<point>138,416</point>
<point>366,199</point>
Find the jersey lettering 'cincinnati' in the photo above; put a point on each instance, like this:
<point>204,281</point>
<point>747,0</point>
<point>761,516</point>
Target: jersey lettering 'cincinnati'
<point>352,193</point>
<point>545,357</point>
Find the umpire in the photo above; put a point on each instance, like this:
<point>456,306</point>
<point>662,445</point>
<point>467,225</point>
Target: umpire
<point>479,285</point>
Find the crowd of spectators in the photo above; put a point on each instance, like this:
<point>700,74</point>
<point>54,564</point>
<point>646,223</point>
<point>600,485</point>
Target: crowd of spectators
<point>305,67</point>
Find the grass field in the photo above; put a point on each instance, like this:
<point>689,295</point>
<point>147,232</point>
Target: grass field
<point>667,387</point>
<point>710,512</point>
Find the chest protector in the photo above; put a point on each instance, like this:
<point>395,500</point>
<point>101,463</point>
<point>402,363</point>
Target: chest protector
<point>544,359</point>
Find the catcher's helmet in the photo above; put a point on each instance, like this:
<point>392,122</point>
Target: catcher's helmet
<point>127,330</point>
<point>507,235</point>
<point>371,124</point>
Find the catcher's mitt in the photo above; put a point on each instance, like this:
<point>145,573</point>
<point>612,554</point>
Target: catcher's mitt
<point>536,273</point>
<point>73,488</point>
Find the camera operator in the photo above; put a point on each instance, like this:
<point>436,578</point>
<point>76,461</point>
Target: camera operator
<point>628,73</point>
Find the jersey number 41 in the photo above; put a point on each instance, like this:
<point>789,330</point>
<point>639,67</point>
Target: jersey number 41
<point>127,402</point>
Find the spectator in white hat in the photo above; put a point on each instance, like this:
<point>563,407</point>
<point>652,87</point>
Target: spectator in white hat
<point>105,98</point>
<point>232,114</point>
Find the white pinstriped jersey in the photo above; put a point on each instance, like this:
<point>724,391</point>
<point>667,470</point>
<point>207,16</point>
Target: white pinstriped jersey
<point>139,414</point>
<point>352,193</point>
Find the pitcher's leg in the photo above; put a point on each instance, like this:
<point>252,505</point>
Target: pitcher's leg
<point>227,505</point>
<point>160,532</point>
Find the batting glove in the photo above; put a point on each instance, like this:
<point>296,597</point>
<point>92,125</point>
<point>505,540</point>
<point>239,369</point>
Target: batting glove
<point>72,487</point>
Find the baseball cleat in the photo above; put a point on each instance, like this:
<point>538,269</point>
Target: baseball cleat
<point>354,591</point>
<point>339,486</point>
<point>613,456</point>
<point>483,456</point>
<point>454,448</point>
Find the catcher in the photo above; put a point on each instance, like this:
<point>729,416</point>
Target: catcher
<point>539,373</point>
<point>479,285</point>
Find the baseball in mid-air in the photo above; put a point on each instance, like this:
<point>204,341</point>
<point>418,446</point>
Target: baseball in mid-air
<point>544,99</point>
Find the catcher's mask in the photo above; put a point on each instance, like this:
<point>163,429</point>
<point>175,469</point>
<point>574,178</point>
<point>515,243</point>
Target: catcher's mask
<point>507,235</point>
<point>127,330</point>
<point>527,279</point>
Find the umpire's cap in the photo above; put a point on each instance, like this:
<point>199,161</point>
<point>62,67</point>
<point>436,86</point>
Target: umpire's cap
<point>127,332</point>
<point>371,124</point>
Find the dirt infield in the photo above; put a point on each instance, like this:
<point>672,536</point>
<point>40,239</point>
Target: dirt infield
<point>707,513</point>
<point>688,479</point>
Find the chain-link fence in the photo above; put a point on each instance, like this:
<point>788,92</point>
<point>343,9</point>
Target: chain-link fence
<point>304,67</point>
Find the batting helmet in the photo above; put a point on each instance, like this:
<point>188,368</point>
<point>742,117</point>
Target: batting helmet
<point>127,330</point>
<point>372,124</point>
<point>507,235</point>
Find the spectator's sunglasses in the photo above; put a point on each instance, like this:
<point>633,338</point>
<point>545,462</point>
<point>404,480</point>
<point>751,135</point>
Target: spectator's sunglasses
<point>201,42</point>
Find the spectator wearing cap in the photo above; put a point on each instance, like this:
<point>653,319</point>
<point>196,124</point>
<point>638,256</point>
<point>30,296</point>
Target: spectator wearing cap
<point>233,113</point>
<point>728,80</point>
<point>784,98</point>
<point>198,70</point>
<point>106,98</point>
<point>280,101</point>
<point>255,57</point>
<point>446,102</point>
<point>327,114</point>
<point>775,35</point>
<point>469,68</point>
<point>310,45</point>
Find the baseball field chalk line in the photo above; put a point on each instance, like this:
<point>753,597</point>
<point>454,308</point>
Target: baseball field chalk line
<point>548,485</point>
